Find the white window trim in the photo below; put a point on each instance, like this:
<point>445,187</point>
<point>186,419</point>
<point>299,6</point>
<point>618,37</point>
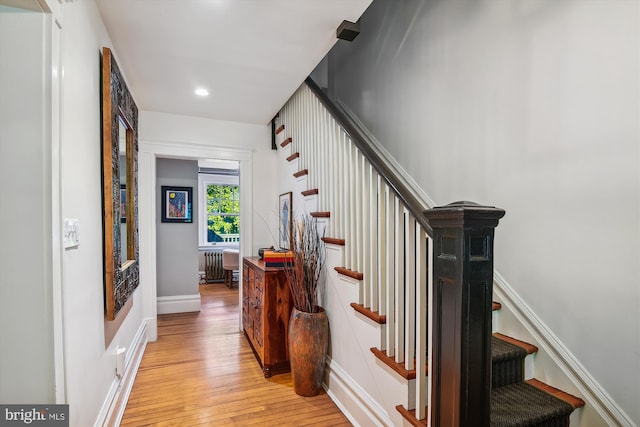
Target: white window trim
<point>204,180</point>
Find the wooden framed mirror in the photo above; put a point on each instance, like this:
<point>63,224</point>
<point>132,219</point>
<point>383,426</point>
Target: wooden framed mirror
<point>119,187</point>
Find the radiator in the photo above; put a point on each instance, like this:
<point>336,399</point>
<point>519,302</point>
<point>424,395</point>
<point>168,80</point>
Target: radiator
<point>213,271</point>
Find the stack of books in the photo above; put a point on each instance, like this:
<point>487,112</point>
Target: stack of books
<point>277,258</point>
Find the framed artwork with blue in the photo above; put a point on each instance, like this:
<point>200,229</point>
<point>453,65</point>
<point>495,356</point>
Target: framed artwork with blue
<point>176,204</point>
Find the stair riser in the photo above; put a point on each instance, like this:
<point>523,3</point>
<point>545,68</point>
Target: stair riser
<point>507,372</point>
<point>561,422</point>
<point>529,366</point>
<point>495,319</point>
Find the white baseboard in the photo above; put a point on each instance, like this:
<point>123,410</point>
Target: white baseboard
<point>178,304</point>
<point>592,392</point>
<point>116,401</point>
<point>354,402</point>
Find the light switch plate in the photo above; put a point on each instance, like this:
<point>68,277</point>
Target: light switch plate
<point>71,238</point>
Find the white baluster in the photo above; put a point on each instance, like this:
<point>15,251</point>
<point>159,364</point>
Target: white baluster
<point>352,205</point>
<point>322,158</point>
<point>315,142</point>
<point>421,322</point>
<point>410,290</point>
<point>429,316</point>
<point>373,241</point>
<point>333,189</point>
<point>365,238</point>
<point>295,146</point>
<point>325,164</point>
<point>399,280</point>
<point>308,157</point>
<point>382,258</point>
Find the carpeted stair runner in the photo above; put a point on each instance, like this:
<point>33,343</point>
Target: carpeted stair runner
<point>522,405</point>
<point>515,403</point>
<point>507,363</point>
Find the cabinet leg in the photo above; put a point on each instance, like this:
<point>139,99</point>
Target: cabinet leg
<point>228,278</point>
<point>267,371</point>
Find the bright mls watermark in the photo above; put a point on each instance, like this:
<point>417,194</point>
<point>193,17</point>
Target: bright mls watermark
<point>34,415</point>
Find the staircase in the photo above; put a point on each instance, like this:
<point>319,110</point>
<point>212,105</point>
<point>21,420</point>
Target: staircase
<point>516,402</point>
<point>376,226</point>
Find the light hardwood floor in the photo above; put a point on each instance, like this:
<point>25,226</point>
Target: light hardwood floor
<point>202,372</point>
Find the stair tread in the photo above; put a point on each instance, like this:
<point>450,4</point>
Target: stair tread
<point>522,404</point>
<point>398,367</point>
<point>500,351</point>
<point>349,273</point>
<point>300,173</point>
<point>410,416</point>
<point>334,241</point>
<point>323,214</point>
<point>529,348</point>
<point>286,142</point>
<point>539,405</point>
<point>572,400</point>
<point>367,312</point>
<point>505,350</point>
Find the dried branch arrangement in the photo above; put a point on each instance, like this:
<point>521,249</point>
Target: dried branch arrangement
<point>308,260</point>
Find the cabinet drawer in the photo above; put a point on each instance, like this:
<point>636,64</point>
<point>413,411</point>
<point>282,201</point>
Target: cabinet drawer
<point>257,327</point>
<point>259,280</point>
<point>246,320</point>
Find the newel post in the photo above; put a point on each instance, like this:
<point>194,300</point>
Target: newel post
<point>462,305</point>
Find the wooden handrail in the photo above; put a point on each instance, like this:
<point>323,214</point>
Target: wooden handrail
<point>363,142</point>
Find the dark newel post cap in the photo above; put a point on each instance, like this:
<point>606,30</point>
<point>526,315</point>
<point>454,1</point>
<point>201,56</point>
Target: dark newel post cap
<point>463,213</point>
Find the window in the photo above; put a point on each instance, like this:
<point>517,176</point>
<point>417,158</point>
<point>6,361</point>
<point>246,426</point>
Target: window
<point>219,210</point>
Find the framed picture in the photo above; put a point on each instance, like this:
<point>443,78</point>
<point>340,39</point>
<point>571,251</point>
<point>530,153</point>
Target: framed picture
<point>285,216</point>
<point>176,204</point>
<point>123,203</point>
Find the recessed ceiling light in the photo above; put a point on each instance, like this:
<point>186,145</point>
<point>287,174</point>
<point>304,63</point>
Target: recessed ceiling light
<point>201,92</point>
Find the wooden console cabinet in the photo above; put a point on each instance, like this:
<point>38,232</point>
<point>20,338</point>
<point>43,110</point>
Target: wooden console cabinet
<point>266,306</point>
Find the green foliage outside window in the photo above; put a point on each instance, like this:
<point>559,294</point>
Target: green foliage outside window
<point>223,209</point>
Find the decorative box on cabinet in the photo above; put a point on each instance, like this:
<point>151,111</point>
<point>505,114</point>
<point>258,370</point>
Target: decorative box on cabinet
<point>266,306</point>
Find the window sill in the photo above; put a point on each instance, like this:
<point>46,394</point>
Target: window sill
<point>221,246</point>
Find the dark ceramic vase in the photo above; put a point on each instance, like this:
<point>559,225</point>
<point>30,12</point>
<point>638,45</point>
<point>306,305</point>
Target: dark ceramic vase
<point>308,342</point>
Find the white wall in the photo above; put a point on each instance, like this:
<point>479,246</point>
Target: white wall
<point>225,139</point>
<point>532,106</point>
<point>26,331</point>
<point>90,364</point>
<point>177,243</point>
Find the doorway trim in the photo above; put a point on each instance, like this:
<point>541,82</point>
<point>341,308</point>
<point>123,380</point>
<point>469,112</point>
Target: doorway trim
<point>148,153</point>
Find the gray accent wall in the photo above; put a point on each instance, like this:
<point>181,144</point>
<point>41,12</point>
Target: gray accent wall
<point>26,317</point>
<point>177,243</point>
<point>531,106</point>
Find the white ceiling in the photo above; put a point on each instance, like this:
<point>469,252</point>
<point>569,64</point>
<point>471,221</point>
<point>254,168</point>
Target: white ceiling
<point>250,54</point>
